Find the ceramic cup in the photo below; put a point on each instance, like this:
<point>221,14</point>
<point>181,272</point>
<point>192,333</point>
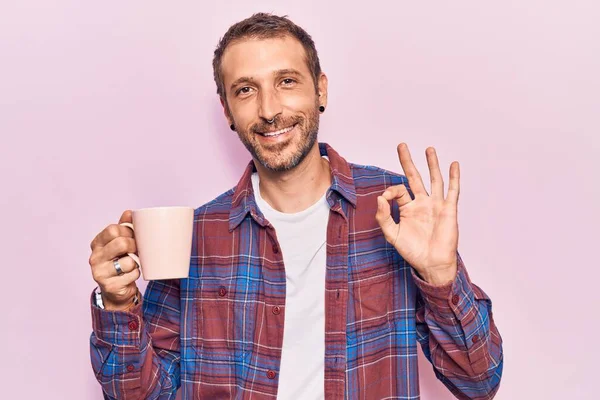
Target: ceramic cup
<point>163,237</point>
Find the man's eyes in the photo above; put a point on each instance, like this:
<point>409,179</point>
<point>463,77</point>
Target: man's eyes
<point>246,89</point>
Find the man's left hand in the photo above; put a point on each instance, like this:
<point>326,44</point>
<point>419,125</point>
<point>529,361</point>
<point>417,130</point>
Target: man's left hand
<point>427,234</point>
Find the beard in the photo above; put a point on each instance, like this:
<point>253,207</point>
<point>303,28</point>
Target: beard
<point>286,155</point>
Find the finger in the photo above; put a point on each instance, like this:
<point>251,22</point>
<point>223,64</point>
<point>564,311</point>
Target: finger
<point>384,217</point>
<point>127,216</point>
<point>110,233</point>
<point>107,270</point>
<point>454,185</point>
<point>117,284</point>
<point>398,193</point>
<point>414,178</point>
<point>437,182</point>
<point>117,247</point>
<point>127,265</point>
<point>129,277</point>
<point>120,288</point>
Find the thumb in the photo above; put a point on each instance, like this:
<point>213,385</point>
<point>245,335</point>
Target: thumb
<point>127,216</point>
<point>384,216</point>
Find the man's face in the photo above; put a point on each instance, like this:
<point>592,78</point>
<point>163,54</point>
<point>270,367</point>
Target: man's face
<point>268,79</point>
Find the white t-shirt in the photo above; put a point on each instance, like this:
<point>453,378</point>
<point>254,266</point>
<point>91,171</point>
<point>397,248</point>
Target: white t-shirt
<point>302,239</point>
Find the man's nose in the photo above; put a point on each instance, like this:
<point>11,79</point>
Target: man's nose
<point>270,105</point>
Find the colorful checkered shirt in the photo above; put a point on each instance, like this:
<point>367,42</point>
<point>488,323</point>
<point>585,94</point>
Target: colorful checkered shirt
<point>218,334</point>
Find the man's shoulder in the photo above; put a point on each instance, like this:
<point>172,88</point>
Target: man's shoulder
<point>217,206</point>
<point>367,176</point>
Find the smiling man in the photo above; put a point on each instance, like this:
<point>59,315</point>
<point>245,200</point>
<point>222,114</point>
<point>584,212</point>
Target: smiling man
<point>312,278</point>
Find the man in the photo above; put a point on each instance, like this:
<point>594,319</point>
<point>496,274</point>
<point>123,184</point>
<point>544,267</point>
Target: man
<point>303,285</point>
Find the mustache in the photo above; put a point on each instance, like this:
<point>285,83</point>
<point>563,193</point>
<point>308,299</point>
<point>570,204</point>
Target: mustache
<point>279,123</point>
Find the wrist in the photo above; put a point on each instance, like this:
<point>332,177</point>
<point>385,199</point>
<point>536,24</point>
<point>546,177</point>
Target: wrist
<point>439,277</point>
<point>111,305</point>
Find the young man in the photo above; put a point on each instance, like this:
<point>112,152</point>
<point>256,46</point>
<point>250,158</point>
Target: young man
<point>302,284</point>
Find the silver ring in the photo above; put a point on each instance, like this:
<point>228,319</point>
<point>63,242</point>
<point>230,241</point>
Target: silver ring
<point>270,121</point>
<point>118,267</point>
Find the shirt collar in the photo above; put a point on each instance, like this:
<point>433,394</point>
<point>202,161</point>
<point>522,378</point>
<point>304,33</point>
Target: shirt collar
<point>244,202</point>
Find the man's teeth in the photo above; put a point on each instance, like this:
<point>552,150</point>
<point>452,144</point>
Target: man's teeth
<point>279,132</point>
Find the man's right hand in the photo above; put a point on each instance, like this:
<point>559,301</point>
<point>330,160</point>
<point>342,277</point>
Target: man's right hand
<point>113,242</point>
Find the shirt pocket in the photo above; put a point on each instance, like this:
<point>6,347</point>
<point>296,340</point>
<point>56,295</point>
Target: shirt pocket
<point>220,319</point>
<point>371,300</point>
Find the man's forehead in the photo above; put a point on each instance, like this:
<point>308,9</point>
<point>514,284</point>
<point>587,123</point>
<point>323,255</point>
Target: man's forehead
<point>257,58</point>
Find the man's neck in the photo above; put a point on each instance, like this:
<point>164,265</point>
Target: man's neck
<point>296,190</point>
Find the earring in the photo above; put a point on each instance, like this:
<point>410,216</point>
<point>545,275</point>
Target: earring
<point>321,108</point>
<point>232,127</point>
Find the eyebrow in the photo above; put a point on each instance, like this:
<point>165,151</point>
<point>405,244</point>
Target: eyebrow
<point>288,71</point>
<point>279,72</point>
<point>241,80</point>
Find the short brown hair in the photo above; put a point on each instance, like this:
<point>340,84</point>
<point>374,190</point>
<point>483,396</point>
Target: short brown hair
<point>265,26</point>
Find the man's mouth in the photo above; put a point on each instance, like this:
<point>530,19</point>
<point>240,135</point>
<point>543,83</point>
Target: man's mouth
<point>277,133</point>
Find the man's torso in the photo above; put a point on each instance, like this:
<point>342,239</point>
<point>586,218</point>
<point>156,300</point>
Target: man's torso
<point>233,304</point>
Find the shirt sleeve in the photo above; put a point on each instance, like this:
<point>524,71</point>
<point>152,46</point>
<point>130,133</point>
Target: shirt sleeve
<point>458,335</point>
<point>135,353</point>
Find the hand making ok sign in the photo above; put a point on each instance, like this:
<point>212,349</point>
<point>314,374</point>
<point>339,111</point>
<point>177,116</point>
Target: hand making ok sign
<point>427,234</point>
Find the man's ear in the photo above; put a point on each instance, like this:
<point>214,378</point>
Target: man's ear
<point>322,89</point>
<point>226,110</point>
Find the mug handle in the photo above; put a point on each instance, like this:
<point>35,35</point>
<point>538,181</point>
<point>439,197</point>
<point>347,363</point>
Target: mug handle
<point>132,255</point>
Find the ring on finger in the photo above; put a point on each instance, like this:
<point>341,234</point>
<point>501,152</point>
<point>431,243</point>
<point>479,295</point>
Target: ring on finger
<point>118,267</point>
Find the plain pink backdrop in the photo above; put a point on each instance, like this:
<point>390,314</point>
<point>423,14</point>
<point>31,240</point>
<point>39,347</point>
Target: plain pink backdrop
<point>106,106</point>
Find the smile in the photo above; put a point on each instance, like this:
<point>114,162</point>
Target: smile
<point>279,132</point>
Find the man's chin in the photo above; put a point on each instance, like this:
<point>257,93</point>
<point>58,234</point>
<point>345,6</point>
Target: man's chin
<point>276,153</point>
<point>277,164</point>
<point>282,156</point>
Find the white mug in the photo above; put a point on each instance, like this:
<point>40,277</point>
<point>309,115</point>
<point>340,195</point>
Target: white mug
<point>163,236</point>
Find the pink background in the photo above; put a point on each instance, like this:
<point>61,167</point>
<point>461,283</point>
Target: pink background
<point>111,105</point>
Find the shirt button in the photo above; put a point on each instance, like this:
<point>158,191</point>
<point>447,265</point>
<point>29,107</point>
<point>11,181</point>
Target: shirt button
<point>271,374</point>
<point>222,291</point>
<point>275,249</point>
<point>130,368</point>
<point>276,310</point>
<point>475,339</point>
<point>455,299</point>
<point>133,325</point>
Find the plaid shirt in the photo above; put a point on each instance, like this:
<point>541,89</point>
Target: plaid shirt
<point>218,334</point>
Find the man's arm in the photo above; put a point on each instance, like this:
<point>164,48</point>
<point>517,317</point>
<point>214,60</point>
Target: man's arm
<point>457,333</point>
<point>135,353</point>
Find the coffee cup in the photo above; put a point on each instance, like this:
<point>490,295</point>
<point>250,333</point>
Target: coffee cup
<point>163,237</point>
